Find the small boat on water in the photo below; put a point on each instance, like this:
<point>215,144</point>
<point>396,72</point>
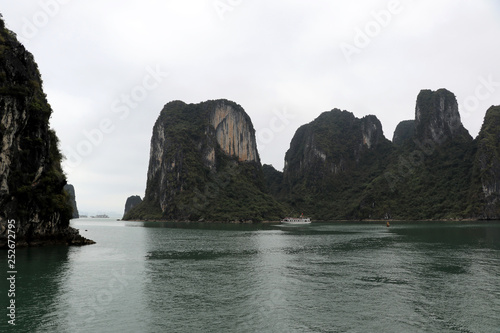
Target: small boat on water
<point>296,220</point>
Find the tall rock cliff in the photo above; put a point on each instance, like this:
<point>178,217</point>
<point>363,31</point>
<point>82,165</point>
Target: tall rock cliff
<point>31,178</point>
<point>437,118</point>
<point>341,167</point>
<point>331,144</point>
<point>430,176</point>
<point>331,161</point>
<point>486,177</point>
<point>70,190</point>
<point>204,165</point>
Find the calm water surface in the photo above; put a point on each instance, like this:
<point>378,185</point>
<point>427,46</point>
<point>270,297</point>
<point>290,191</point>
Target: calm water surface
<point>333,277</point>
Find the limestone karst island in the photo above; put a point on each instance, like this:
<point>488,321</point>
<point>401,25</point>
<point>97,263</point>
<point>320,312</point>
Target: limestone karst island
<point>31,178</point>
<point>204,164</point>
<point>226,166</point>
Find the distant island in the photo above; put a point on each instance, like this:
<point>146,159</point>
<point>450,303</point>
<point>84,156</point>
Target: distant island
<point>204,166</point>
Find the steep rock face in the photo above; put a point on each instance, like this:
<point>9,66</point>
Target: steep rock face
<point>341,167</point>
<point>199,155</point>
<point>70,189</point>
<point>327,157</point>
<point>437,118</point>
<point>486,193</point>
<point>234,132</point>
<point>131,203</point>
<point>371,131</point>
<point>403,132</point>
<point>31,178</point>
<point>331,144</point>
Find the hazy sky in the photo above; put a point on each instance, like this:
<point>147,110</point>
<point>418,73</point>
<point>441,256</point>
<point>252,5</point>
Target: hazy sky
<point>110,66</point>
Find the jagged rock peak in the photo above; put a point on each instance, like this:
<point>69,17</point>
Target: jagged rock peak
<point>437,117</point>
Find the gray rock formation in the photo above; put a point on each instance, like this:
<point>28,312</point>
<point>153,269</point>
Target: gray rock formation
<point>331,144</point>
<point>31,178</point>
<point>70,189</point>
<point>437,118</point>
<point>204,165</point>
<point>487,167</point>
<point>131,203</point>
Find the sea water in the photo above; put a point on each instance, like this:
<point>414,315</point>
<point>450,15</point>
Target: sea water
<point>323,277</point>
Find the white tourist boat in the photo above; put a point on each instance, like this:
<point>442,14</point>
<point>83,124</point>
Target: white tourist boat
<point>296,220</point>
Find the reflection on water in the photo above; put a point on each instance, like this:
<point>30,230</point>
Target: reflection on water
<point>39,279</point>
<point>338,277</point>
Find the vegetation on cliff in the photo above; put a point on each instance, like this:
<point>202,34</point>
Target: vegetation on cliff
<point>192,176</point>
<point>432,170</point>
<point>31,177</point>
<point>485,190</point>
<point>331,164</point>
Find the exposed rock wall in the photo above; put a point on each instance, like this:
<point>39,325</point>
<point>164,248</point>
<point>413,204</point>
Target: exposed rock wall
<point>31,178</point>
<point>234,132</point>
<point>437,117</point>
<point>331,144</point>
<point>487,166</point>
<point>199,153</point>
<point>70,189</point>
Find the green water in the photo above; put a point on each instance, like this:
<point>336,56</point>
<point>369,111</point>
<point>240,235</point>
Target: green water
<point>335,277</point>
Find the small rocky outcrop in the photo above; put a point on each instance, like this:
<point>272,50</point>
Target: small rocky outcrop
<point>131,203</point>
<point>403,132</point>
<point>31,177</point>
<point>70,189</point>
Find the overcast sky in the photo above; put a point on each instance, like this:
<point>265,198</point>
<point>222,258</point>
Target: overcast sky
<point>110,66</point>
